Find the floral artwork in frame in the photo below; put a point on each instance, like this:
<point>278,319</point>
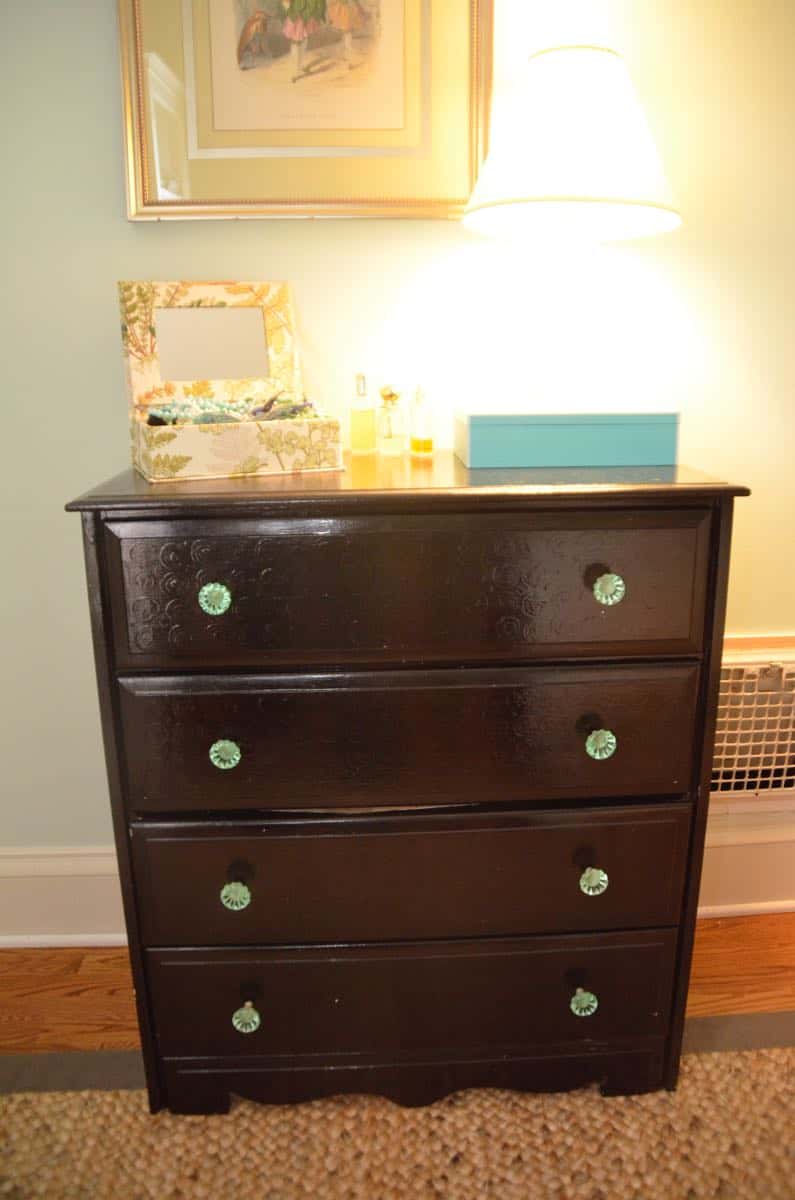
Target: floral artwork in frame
<point>304,107</point>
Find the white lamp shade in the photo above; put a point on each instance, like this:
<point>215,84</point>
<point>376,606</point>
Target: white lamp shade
<point>572,154</point>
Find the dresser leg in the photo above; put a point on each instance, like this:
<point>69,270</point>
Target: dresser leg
<point>633,1074</point>
<point>672,1074</point>
<point>197,1094</point>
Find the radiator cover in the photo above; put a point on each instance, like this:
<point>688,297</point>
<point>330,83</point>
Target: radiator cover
<point>755,732</point>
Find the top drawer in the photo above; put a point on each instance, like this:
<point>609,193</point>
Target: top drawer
<point>375,590</point>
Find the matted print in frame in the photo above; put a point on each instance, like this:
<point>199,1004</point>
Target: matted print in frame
<point>256,108</point>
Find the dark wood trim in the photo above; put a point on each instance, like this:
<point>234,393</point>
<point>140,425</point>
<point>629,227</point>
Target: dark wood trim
<point>392,504</point>
<point>202,1086</point>
<point>705,737</point>
<point>382,487</point>
<point>99,607</point>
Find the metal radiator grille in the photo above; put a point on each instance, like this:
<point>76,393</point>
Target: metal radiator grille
<point>755,733</point>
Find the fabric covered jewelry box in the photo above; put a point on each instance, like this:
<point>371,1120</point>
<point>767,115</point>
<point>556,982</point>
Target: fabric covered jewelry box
<point>235,448</point>
<point>219,428</point>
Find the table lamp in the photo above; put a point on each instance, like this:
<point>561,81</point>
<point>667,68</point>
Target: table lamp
<point>572,155</point>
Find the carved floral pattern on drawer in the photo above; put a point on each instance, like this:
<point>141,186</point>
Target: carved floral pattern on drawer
<point>164,579</point>
<point>333,590</point>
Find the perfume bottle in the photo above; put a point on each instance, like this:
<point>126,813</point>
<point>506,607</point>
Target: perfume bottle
<point>391,437</point>
<point>421,434</point>
<point>362,420</point>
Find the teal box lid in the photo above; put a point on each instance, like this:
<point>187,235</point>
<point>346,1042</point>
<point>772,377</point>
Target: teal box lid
<point>568,419</point>
<point>566,439</point>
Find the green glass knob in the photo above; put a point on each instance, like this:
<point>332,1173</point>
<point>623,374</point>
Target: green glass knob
<point>246,1019</point>
<point>609,589</point>
<point>593,881</point>
<point>583,1004</point>
<point>601,744</point>
<point>235,896</point>
<point>214,599</point>
<point>225,754</point>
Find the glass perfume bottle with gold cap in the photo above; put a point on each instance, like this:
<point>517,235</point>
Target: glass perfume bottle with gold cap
<point>362,420</point>
<point>391,437</point>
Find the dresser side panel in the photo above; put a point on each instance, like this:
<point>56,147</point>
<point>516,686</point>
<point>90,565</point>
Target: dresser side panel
<point>704,738</point>
<point>102,638</point>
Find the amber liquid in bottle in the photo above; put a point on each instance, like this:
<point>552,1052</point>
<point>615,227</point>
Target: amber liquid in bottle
<point>421,436</point>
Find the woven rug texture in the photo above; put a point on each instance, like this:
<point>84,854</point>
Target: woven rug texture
<point>726,1133</point>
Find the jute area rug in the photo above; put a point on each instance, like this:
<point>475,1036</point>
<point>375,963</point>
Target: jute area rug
<point>726,1133</point>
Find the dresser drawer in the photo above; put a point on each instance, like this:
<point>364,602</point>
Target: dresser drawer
<point>432,996</point>
<point>402,877</point>
<point>402,739</point>
<point>409,589</point>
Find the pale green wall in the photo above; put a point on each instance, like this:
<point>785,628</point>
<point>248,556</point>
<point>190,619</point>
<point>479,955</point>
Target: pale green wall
<point>702,319</point>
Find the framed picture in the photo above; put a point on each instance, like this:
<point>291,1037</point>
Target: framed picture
<point>304,107</point>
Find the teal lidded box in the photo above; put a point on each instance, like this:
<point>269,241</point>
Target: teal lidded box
<point>567,439</point>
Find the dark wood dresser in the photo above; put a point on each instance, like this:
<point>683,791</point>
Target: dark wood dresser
<point>409,769</point>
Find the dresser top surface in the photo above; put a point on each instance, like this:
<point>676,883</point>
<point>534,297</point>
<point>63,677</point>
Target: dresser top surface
<point>400,483</point>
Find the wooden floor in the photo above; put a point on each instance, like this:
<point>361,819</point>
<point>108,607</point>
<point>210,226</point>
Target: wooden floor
<point>83,1000</point>
<point>743,965</point>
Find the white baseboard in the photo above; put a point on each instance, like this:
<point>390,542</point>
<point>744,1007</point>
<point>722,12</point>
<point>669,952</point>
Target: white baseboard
<point>33,941</point>
<point>749,857</point>
<point>60,896</point>
<point>741,821</point>
<point>48,861</point>
<point>753,909</point>
<point>70,896</point>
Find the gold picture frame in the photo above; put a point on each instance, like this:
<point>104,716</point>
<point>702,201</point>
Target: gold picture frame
<point>188,156</point>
